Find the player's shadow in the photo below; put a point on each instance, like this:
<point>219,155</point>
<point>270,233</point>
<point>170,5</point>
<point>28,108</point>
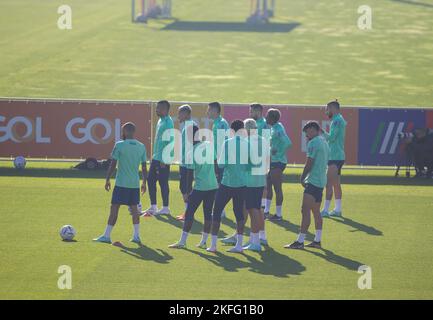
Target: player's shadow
<point>415,3</point>
<point>221,26</point>
<point>197,227</point>
<point>357,226</point>
<point>146,253</point>
<point>270,263</point>
<point>291,227</point>
<point>331,257</point>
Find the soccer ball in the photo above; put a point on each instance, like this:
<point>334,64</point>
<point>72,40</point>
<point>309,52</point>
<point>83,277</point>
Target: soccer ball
<point>20,162</point>
<point>67,232</point>
<point>139,208</point>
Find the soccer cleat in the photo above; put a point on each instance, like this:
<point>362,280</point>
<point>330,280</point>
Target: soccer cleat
<point>264,242</point>
<point>266,214</point>
<point>213,250</point>
<point>229,240</point>
<point>253,247</point>
<point>295,245</point>
<point>315,245</point>
<point>150,210</point>
<point>177,245</point>
<point>274,217</point>
<point>162,212</point>
<point>235,250</point>
<point>136,240</point>
<point>324,214</point>
<point>103,239</point>
<point>335,213</point>
<point>201,245</point>
<point>181,217</point>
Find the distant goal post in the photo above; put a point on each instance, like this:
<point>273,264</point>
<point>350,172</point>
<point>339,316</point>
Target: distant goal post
<point>143,10</point>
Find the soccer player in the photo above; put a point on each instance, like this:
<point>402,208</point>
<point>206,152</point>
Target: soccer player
<point>219,129</point>
<point>186,175</point>
<point>280,143</point>
<point>258,154</point>
<point>162,149</point>
<point>202,163</point>
<point>256,113</point>
<point>234,161</point>
<point>335,138</point>
<point>127,156</point>
<point>313,180</point>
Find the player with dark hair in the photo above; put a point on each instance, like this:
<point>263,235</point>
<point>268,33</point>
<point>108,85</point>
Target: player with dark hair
<point>220,130</point>
<point>186,175</point>
<point>335,138</point>
<point>204,190</point>
<point>234,161</point>
<point>280,143</point>
<point>127,155</point>
<point>163,152</point>
<point>313,180</point>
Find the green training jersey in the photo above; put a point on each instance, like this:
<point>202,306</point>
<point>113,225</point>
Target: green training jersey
<point>318,150</point>
<point>280,143</point>
<point>258,161</point>
<point>129,154</point>
<point>159,145</point>
<point>186,126</point>
<point>261,124</point>
<point>336,137</point>
<point>234,160</point>
<point>201,161</point>
<point>218,124</point>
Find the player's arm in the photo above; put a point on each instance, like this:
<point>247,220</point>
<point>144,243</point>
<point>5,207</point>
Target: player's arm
<point>307,168</point>
<point>333,132</point>
<point>165,143</point>
<point>286,142</point>
<point>223,157</point>
<point>110,172</point>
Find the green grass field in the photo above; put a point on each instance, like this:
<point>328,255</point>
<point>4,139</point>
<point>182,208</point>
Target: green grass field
<point>325,56</point>
<point>387,226</point>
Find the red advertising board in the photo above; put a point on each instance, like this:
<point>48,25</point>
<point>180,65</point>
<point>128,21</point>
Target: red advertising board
<point>429,119</point>
<point>68,129</point>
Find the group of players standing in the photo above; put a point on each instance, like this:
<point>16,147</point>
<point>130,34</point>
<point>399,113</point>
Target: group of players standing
<point>225,174</point>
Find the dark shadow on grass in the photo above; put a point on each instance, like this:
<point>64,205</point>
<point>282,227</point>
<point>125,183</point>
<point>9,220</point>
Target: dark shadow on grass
<point>331,257</point>
<point>415,3</point>
<point>291,227</point>
<point>357,226</point>
<point>270,263</point>
<point>219,26</point>
<point>146,253</point>
<point>287,178</point>
<point>197,227</point>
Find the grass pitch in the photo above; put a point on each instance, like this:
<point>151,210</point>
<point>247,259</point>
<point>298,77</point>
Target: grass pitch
<point>313,52</point>
<point>387,226</point>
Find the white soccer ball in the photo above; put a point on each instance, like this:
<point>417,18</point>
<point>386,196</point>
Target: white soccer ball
<point>67,232</point>
<point>20,162</point>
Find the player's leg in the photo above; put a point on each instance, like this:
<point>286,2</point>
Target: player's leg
<point>116,201</point>
<point>318,221</point>
<point>151,186</point>
<point>338,192</point>
<point>238,196</point>
<point>185,188</point>
<point>194,200</point>
<point>164,175</point>
<point>264,198</point>
<point>308,203</point>
<point>254,208</point>
<point>222,197</point>
<point>277,183</point>
<point>269,195</point>
<point>208,203</point>
<point>134,199</point>
<point>331,179</point>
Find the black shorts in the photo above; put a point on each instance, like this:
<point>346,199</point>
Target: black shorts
<point>223,196</point>
<point>126,196</point>
<point>186,178</point>
<point>195,199</point>
<point>278,165</point>
<point>316,192</point>
<point>337,163</point>
<point>253,197</point>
